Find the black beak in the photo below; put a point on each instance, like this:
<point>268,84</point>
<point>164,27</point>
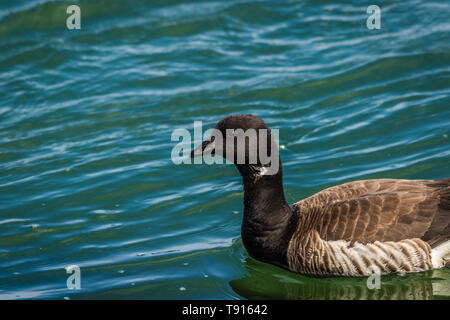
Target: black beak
<point>199,150</point>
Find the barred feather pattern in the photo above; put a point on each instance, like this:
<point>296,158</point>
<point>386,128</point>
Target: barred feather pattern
<point>372,226</point>
<point>312,255</point>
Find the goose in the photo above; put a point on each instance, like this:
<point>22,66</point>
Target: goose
<point>359,228</point>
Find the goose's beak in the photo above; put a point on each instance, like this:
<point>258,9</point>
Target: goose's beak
<point>207,147</point>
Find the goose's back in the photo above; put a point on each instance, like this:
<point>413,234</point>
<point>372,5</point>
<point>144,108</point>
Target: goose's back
<point>387,223</point>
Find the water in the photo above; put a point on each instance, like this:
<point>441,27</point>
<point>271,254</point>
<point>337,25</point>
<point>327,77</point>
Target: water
<point>86,118</point>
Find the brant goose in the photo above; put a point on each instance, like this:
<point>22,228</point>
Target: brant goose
<point>354,229</point>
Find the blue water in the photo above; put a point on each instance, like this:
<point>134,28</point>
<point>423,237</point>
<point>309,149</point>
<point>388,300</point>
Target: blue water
<point>86,118</point>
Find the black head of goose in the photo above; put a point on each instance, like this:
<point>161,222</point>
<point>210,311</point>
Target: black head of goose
<point>354,229</point>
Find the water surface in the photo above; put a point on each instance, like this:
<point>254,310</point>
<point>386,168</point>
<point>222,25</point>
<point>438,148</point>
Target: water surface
<point>86,118</point>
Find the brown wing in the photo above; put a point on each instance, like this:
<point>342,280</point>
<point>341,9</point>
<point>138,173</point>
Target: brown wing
<point>378,210</point>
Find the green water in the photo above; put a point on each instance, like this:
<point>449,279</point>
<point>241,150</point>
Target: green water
<point>86,118</point>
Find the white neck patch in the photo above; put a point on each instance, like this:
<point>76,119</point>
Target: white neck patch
<point>263,171</point>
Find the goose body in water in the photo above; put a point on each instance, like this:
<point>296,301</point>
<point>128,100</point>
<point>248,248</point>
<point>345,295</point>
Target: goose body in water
<point>353,229</point>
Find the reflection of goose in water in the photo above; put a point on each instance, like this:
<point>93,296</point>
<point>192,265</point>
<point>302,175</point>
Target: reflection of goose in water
<point>267,282</point>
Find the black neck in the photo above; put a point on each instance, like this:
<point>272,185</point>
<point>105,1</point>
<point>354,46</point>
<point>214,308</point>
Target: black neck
<point>268,219</point>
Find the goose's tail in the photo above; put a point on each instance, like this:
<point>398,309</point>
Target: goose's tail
<point>440,255</point>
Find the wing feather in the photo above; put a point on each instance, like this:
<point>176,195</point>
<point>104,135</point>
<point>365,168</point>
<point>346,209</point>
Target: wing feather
<point>372,210</point>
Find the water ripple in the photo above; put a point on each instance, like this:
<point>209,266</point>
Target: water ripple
<point>86,118</point>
